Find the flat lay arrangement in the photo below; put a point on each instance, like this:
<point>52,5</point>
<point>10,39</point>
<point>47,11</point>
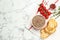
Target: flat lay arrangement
<point>39,22</point>
<point>29,19</point>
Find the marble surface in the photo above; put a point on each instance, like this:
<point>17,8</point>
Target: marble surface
<point>15,19</point>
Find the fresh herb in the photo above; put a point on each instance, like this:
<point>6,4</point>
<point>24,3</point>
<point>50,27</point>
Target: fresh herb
<point>59,8</point>
<point>56,13</point>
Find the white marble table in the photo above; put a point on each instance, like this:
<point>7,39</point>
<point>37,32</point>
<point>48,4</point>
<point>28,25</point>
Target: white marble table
<point>15,15</point>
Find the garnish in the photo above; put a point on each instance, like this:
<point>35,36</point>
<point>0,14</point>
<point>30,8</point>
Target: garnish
<point>56,13</point>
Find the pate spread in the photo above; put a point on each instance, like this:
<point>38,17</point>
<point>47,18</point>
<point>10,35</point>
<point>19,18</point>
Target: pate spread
<point>38,21</point>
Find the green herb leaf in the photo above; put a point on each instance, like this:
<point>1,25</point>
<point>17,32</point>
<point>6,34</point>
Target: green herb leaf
<point>59,8</point>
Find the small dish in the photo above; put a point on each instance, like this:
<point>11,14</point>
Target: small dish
<point>38,22</point>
